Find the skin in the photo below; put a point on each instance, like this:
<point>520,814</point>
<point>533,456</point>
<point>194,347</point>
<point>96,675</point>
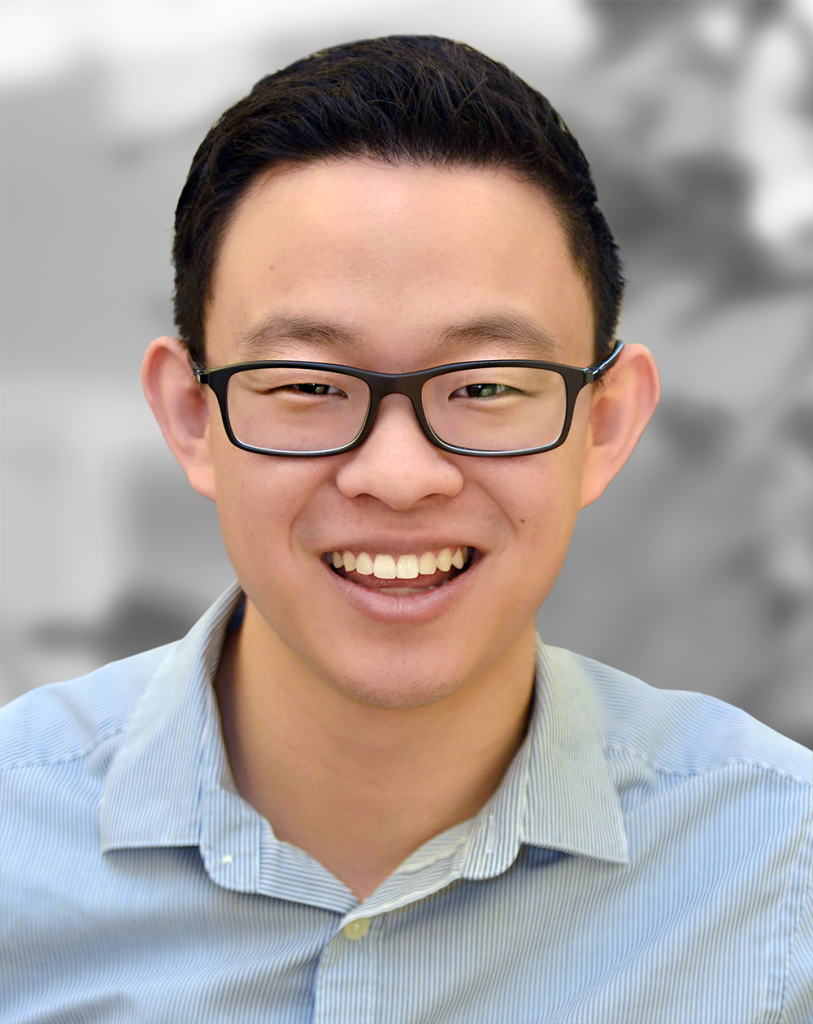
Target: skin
<point>362,727</point>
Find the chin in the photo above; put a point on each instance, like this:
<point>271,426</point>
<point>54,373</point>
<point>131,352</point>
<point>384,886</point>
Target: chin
<point>399,688</point>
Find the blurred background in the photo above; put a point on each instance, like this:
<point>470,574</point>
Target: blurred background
<point>694,571</point>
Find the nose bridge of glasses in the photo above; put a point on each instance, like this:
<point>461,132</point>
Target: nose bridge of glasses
<point>382,385</point>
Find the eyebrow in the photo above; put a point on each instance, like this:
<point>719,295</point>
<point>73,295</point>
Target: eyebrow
<point>524,334</point>
<point>276,329</point>
<point>526,337</point>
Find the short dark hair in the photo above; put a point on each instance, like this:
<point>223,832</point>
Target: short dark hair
<point>420,99</point>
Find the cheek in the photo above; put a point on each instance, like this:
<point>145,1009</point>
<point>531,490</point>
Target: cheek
<point>542,495</point>
<point>259,499</point>
<point>541,501</point>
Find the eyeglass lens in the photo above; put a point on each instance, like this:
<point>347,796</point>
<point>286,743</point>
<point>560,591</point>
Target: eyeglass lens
<point>483,408</point>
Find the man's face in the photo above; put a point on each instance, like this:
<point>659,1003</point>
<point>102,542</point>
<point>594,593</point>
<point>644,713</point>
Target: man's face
<point>393,269</point>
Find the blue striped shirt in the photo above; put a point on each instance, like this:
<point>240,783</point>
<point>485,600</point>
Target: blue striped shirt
<point>648,857</point>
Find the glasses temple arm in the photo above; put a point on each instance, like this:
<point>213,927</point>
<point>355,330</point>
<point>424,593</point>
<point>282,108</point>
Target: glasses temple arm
<point>596,372</point>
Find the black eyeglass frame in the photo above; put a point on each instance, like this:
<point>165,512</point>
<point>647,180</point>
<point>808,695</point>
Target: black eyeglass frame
<point>408,384</point>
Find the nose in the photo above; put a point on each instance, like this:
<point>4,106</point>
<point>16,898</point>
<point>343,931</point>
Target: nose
<point>397,464</point>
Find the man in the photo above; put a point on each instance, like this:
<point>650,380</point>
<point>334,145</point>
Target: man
<point>359,790</point>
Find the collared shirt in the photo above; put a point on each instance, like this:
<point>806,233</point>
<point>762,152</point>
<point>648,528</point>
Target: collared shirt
<point>648,857</point>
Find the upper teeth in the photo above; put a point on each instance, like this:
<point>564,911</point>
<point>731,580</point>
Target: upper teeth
<point>406,567</point>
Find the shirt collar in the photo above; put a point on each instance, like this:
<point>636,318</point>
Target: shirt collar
<point>152,794</point>
<point>557,793</point>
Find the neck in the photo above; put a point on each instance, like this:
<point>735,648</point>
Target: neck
<point>357,786</point>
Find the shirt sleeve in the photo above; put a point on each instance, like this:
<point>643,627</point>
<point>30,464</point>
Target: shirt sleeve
<point>798,1002</point>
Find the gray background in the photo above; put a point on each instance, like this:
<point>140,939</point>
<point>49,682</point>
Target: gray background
<point>694,571</point>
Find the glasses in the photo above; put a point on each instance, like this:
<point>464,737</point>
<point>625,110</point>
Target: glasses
<point>490,408</point>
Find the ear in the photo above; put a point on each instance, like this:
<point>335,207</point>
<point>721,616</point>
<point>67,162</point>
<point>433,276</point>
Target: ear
<point>620,410</point>
<point>181,408</point>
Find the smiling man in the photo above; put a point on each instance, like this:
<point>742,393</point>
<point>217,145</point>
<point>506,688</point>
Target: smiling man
<point>360,789</point>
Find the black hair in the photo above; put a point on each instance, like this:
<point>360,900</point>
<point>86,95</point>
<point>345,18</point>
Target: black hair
<point>421,99</point>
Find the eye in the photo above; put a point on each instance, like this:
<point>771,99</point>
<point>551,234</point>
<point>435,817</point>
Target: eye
<point>484,390</point>
<point>313,389</point>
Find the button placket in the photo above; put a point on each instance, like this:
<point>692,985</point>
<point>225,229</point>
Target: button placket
<point>357,929</point>
<point>347,979</point>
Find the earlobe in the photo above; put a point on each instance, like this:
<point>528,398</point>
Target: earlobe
<point>180,407</point>
<point>619,413</point>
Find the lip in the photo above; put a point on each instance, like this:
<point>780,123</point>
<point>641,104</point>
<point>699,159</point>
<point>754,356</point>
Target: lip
<point>407,609</point>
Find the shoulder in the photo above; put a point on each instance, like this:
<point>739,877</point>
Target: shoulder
<point>726,804</point>
<point>66,721</point>
<point>718,817</point>
<point>683,733</point>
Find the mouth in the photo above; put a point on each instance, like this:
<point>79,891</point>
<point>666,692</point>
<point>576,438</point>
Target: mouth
<point>402,575</point>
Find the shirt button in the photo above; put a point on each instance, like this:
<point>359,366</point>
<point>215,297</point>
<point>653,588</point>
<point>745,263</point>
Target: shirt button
<point>356,929</point>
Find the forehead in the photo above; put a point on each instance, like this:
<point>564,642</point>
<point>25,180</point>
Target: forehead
<point>393,264</point>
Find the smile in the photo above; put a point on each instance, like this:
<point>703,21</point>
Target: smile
<point>380,572</point>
